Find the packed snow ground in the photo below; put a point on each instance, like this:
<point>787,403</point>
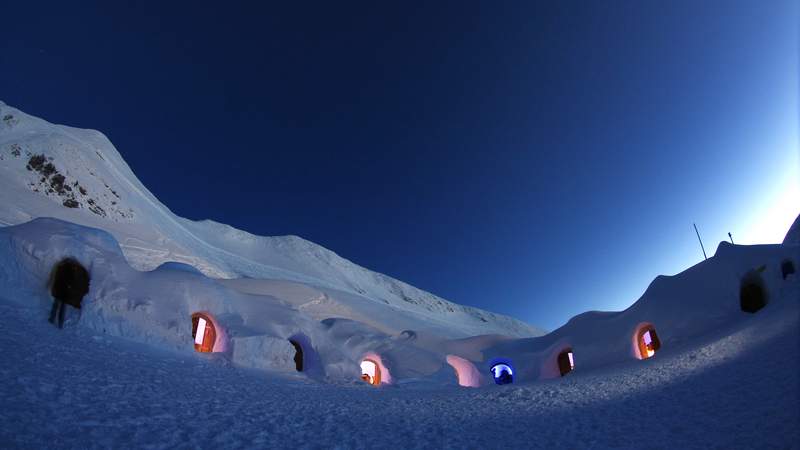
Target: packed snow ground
<point>736,387</point>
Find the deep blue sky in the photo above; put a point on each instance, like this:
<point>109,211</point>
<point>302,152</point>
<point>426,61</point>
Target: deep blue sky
<point>537,160</point>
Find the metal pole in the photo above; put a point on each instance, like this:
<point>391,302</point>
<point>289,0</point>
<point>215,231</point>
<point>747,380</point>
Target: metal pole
<point>701,241</point>
<point>729,235</point>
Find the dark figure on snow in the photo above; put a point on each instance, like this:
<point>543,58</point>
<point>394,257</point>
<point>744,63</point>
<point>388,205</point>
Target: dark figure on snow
<point>69,282</point>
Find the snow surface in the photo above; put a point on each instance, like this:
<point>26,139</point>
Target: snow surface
<point>87,173</point>
<point>734,387</point>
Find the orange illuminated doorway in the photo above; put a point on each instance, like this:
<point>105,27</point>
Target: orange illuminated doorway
<point>648,342</point>
<point>566,362</point>
<point>203,333</point>
<point>371,372</point>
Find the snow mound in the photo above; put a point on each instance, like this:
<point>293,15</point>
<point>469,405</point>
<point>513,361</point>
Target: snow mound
<point>733,387</point>
<point>260,323</point>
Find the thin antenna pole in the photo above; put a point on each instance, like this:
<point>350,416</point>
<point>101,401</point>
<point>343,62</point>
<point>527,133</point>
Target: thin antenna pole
<point>701,241</point>
<point>730,236</point>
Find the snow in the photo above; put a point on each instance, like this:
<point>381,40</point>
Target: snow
<point>123,371</point>
<point>734,387</point>
<point>255,322</point>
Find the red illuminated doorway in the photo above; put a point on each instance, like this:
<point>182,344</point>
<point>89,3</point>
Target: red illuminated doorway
<point>203,333</point>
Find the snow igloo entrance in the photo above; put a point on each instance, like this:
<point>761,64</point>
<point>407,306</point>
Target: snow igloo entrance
<point>502,373</point>
<point>69,282</point>
<point>566,361</point>
<point>298,355</point>
<point>752,296</point>
<point>203,332</point>
<point>466,373</point>
<point>371,372</point>
<point>647,342</point>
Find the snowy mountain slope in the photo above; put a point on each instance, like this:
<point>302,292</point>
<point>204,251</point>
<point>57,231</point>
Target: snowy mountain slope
<point>77,175</point>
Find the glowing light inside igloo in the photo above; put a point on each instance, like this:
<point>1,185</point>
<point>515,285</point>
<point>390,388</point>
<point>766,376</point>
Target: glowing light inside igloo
<point>370,372</point>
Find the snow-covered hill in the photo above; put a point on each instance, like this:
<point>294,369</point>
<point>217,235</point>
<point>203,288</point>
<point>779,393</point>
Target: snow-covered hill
<point>77,175</point>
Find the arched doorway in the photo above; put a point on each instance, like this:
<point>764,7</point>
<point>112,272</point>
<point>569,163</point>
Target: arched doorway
<point>371,372</point>
<point>466,373</point>
<point>203,332</point>
<point>566,361</point>
<point>502,373</point>
<point>69,282</point>
<point>647,341</point>
<point>787,268</point>
<point>752,295</point>
<point>298,355</point>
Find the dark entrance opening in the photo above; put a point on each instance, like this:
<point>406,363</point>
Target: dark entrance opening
<point>565,362</point>
<point>69,282</point>
<point>787,268</point>
<point>298,355</point>
<point>752,296</point>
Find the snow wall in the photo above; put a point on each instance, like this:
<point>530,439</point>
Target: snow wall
<point>155,308</point>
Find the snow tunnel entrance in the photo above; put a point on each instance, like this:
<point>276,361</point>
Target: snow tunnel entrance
<point>466,373</point>
<point>787,268</point>
<point>371,372</point>
<point>752,296</point>
<point>69,282</point>
<point>203,333</point>
<point>647,341</point>
<point>502,373</point>
<point>298,355</point>
<point>566,362</point>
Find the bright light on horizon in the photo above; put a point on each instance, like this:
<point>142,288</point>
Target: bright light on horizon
<point>770,219</point>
